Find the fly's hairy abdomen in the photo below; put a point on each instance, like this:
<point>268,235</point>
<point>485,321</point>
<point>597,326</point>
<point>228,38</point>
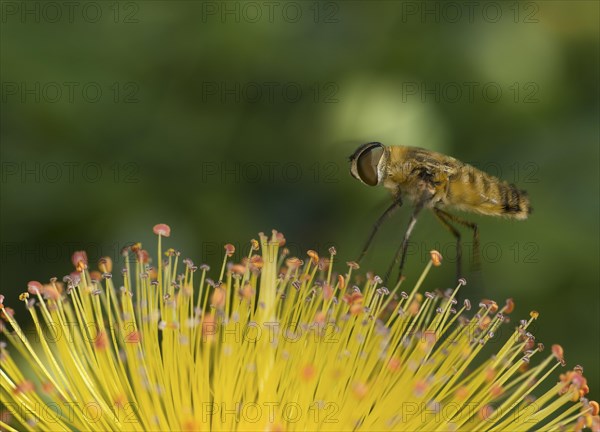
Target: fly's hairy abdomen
<point>470,189</point>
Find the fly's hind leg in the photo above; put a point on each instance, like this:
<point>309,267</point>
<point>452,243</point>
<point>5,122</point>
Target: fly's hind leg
<point>442,218</point>
<point>470,225</point>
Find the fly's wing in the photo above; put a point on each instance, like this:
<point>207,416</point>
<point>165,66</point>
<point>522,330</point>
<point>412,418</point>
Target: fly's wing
<point>434,167</point>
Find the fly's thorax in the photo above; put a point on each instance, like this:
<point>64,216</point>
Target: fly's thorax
<point>402,173</point>
<point>398,166</point>
<point>382,166</point>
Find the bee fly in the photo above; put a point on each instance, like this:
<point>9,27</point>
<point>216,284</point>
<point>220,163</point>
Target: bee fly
<point>439,182</point>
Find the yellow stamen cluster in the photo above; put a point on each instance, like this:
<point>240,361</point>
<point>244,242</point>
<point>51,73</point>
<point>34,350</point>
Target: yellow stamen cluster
<point>275,343</point>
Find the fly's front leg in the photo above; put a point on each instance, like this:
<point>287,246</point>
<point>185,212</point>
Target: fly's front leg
<point>397,203</point>
<point>401,252</point>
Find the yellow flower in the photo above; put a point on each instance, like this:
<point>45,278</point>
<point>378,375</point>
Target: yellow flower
<point>275,343</point>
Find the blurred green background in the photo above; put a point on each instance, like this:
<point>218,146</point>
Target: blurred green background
<point>224,119</point>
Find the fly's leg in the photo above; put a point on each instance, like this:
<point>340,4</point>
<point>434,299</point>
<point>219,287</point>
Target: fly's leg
<point>472,226</point>
<point>401,252</point>
<point>441,215</point>
<point>397,203</point>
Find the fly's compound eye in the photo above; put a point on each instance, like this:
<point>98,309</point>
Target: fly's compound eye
<point>366,163</point>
